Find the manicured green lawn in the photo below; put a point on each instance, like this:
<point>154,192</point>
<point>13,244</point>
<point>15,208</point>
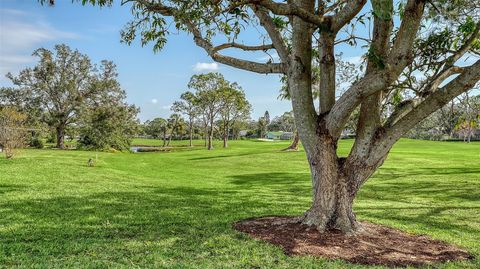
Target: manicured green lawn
<point>175,210</point>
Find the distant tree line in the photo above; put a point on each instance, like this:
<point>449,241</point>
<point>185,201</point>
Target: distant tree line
<point>64,94</point>
<point>212,107</point>
<point>460,119</point>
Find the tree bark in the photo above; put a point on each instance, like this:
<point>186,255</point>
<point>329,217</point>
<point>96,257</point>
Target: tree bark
<point>60,136</point>
<point>294,145</point>
<point>225,136</point>
<point>332,205</point>
<point>191,133</point>
<point>170,138</point>
<point>206,135</point>
<point>210,136</point>
<point>336,182</point>
<point>164,138</point>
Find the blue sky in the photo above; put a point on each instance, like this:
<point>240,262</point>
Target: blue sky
<point>152,81</point>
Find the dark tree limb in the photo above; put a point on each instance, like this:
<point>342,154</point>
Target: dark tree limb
<point>242,47</point>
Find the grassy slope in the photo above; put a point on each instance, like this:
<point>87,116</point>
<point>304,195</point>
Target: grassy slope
<point>175,210</point>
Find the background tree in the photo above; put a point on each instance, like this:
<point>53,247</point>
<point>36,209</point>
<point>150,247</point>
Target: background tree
<point>286,123</point>
<point>262,127</point>
<point>469,120</point>
<point>429,38</point>
<point>176,125</point>
<point>157,128</point>
<point>187,106</point>
<point>234,107</point>
<point>106,120</point>
<point>266,116</point>
<point>208,91</point>
<point>58,84</point>
<point>447,117</point>
<point>12,130</point>
<point>109,126</point>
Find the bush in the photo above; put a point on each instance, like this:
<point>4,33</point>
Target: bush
<point>37,143</point>
<point>108,127</point>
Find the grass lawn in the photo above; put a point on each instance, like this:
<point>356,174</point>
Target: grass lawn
<point>175,210</point>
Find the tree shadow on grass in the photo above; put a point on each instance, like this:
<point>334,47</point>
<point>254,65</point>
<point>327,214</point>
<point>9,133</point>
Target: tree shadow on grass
<point>186,218</point>
<point>183,222</point>
<point>4,188</point>
<point>436,194</point>
<point>296,184</point>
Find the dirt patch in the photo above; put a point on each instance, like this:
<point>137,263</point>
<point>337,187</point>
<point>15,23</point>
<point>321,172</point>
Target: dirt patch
<point>377,245</point>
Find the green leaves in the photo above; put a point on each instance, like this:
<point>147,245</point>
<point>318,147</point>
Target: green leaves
<point>383,9</point>
<point>375,58</point>
<point>280,22</point>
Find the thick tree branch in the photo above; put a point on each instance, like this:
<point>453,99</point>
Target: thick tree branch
<point>277,39</point>
<point>284,9</point>
<point>448,64</point>
<point>327,81</point>
<point>263,68</point>
<point>347,13</point>
<point>418,112</point>
<point>370,110</point>
<point>242,47</point>
<point>400,55</point>
<point>300,81</point>
<point>441,77</point>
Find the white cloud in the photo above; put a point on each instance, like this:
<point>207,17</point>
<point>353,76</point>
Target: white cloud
<point>205,67</point>
<point>154,101</point>
<point>22,33</point>
<point>167,107</point>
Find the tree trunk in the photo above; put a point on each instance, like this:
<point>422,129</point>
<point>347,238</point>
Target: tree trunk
<point>335,185</point>
<point>60,137</point>
<point>210,140</point>
<point>191,134</point>
<point>294,145</point>
<point>164,138</point>
<point>206,135</point>
<point>170,138</point>
<point>210,136</point>
<point>225,137</point>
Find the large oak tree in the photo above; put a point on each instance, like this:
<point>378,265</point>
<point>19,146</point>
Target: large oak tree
<point>408,37</point>
<point>59,85</point>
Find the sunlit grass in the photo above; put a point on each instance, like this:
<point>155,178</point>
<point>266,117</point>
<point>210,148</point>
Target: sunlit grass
<point>175,209</point>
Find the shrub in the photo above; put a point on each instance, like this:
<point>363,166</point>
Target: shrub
<point>37,143</point>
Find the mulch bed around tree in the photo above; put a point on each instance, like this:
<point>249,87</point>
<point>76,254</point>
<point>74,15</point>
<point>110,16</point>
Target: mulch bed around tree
<point>377,245</point>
